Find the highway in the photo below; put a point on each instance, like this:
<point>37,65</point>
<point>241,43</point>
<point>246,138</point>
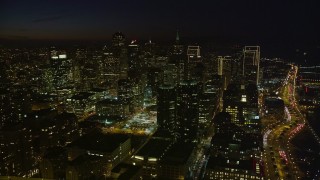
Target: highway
<point>277,155</point>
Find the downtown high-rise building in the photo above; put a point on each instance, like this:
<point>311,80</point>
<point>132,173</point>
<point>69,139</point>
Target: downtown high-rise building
<point>177,59</point>
<point>61,69</point>
<point>119,50</point>
<point>118,39</point>
<point>241,102</point>
<point>134,61</point>
<point>188,109</point>
<point>192,63</point>
<point>251,64</point>
<point>166,108</point>
<point>177,47</point>
<point>109,70</point>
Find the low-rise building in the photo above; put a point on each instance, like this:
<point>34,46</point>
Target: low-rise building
<point>96,154</point>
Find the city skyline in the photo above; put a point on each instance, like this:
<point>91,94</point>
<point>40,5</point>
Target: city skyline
<point>159,90</point>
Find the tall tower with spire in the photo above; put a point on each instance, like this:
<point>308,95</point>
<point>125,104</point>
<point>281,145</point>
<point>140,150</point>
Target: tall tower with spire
<point>177,59</point>
<point>177,47</point>
<point>177,37</point>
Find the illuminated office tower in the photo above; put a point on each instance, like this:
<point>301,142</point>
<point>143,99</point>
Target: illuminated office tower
<point>178,59</point>
<point>250,64</point>
<point>220,65</point>
<point>61,69</point>
<point>193,53</point>
<point>188,109</point>
<point>149,53</point>
<point>4,81</point>
<point>7,111</point>
<point>250,109</point>
<point>241,102</point>
<point>224,64</point>
<point>118,39</point>
<point>170,75</point>
<point>138,83</point>
<point>149,48</point>
<point>193,61</point>
<point>224,68</point>
<point>232,103</point>
<point>125,90</point>
<point>166,112</point>
<point>177,47</point>
<point>109,69</point>
<point>207,104</point>
<point>154,78</point>
<point>133,56</point>
<point>119,51</point>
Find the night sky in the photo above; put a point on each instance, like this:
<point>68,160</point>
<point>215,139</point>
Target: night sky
<point>255,20</point>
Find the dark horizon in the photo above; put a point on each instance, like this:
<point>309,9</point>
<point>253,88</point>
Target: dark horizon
<point>279,22</point>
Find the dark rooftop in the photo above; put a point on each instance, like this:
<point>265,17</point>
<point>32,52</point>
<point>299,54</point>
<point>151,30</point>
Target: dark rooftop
<point>127,170</point>
<point>55,152</point>
<point>178,154</point>
<point>109,101</point>
<point>103,119</point>
<point>81,96</point>
<point>97,90</point>
<point>160,133</point>
<point>273,102</point>
<point>221,162</point>
<point>84,159</point>
<point>155,148</point>
<point>47,117</point>
<point>98,141</point>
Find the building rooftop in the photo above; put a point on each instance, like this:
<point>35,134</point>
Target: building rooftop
<point>109,101</point>
<point>81,96</point>
<point>97,90</point>
<point>274,102</point>
<point>126,171</point>
<point>155,148</point>
<point>221,162</point>
<point>189,83</point>
<point>55,152</point>
<point>85,159</point>
<point>161,133</point>
<point>166,87</point>
<point>98,141</point>
<point>178,154</point>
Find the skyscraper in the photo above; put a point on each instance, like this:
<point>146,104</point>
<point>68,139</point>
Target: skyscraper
<point>224,68</point>
<point>177,47</point>
<point>134,61</point>
<point>188,109</point>
<point>178,58</point>
<point>250,64</point>
<point>166,112</point>
<point>118,39</point>
<point>193,60</point>
<point>170,75</point>
<point>241,102</point>
<point>61,68</point>
<point>119,50</point>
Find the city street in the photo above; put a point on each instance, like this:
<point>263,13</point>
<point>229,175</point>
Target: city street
<point>278,158</point>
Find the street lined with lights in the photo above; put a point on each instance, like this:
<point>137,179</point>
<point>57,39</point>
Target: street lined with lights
<point>278,158</point>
